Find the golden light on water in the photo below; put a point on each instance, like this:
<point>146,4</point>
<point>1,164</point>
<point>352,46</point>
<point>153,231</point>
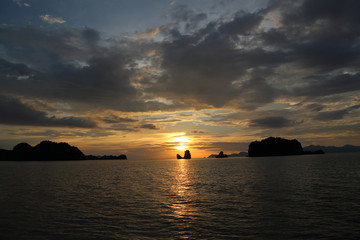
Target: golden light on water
<point>181,143</point>
<point>185,194</point>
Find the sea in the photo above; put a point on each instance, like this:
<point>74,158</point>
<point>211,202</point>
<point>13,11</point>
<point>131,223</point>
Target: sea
<point>289,197</point>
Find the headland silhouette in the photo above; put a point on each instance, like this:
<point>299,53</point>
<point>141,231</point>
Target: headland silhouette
<point>49,151</point>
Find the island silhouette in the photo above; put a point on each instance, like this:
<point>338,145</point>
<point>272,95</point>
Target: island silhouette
<point>271,146</point>
<point>187,155</point>
<point>276,146</point>
<point>48,151</point>
<point>221,155</point>
<point>240,154</point>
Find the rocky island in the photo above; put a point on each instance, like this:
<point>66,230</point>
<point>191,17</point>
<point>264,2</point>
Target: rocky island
<point>49,151</point>
<point>187,155</point>
<point>221,155</point>
<point>277,147</point>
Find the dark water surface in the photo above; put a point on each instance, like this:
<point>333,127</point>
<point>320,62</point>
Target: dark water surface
<point>297,197</point>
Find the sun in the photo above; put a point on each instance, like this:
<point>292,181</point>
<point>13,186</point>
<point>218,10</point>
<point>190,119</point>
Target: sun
<point>181,143</point>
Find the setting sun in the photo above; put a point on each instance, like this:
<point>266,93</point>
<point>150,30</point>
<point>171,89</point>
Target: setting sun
<point>181,143</point>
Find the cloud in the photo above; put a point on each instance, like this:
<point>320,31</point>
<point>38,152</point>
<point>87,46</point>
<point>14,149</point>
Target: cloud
<point>60,133</point>
<point>336,114</point>
<point>74,67</point>
<point>14,112</point>
<point>41,49</point>
<point>207,65</point>
<point>228,146</point>
<point>21,3</point>
<point>272,122</point>
<point>241,63</point>
<point>183,14</point>
<point>149,34</point>
<point>122,127</point>
<point>51,19</point>
<point>331,115</point>
<point>329,84</point>
<point>76,70</point>
<point>150,126</point>
<point>91,36</point>
<point>232,62</point>
<point>314,107</point>
<point>197,132</point>
<point>112,118</point>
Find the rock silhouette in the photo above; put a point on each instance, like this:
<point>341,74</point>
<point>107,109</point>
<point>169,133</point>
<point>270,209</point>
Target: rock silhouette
<point>221,155</point>
<point>47,151</point>
<point>24,151</point>
<point>240,154</point>
<point>187,155</point>
<point>44,151</point>
<point>275,147</point>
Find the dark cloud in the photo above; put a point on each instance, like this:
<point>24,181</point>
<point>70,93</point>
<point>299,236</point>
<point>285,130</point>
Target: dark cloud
<point>208,65</point>
<point>166,119</point>
<point>310,50</point>
<point>197,132</point>
<point>323,34</point>
<point>207,72</point>
<point>65,65</point>
<point>122,127</point>
<point>14,112</point>
<point>331,115</point>
<point>40,48</point>
<point>272,122</point>
<point>94,133</point>
<point>112,118</point>
<point>150,126</point>
<point>105,82</point>
<point>314,107</point>
<point>228,146</point>
<point>184,14</point>
<point>243,23</point>
<point>91,36</point>
<point>237,62</point>
<point>325,85</point>
<point>336,114</point>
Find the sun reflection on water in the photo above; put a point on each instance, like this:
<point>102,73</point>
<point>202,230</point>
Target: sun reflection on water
<point>183,189</point>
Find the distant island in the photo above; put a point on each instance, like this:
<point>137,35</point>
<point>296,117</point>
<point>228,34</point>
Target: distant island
<point>333,149</point>
<point>221,155</point>
<point>276,146</point>
<point>240,154</point>
<point>49,151</point>
<point>187,155</point>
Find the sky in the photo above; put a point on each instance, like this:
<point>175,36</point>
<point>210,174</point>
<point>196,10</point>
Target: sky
<point>152,78</point>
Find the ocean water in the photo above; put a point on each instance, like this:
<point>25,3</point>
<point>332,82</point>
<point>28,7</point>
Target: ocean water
<point>293,197</point>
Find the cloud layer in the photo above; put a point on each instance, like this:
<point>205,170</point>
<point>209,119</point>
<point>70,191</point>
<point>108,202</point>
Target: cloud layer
<point>285,65</point>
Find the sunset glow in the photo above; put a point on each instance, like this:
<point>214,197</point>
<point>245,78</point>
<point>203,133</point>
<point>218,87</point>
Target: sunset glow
<point>154,78</point>
<point>181,143</point>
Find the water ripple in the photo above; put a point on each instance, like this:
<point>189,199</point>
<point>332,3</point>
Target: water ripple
<point>301,197</point>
